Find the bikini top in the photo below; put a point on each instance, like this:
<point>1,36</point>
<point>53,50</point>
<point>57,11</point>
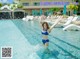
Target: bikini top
<point>45,32</point>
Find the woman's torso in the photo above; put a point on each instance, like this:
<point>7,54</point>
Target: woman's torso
<point>45,34</point>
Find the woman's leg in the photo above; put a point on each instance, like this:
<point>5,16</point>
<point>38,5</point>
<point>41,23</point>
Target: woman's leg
<point>46,44</point>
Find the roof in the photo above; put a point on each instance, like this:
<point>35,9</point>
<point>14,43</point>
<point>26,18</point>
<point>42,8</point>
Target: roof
<point>5,8</point>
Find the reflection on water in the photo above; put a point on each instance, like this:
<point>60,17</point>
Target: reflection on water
<point>46,53</point>
<point>50,54</point>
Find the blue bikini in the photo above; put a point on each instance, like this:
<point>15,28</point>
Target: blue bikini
<point>45,33</point>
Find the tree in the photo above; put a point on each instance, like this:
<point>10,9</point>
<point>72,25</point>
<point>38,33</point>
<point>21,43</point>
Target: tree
<point>0,4</point>
<point>19,5</point>
<point>55,9</point>
<point>72,7</point>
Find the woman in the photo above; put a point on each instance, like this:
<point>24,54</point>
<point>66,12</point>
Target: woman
<point>46,30</point>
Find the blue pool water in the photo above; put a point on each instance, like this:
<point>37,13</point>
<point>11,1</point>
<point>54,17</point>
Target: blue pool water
<point>25,38</point>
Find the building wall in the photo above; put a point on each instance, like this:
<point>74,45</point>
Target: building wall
<point>30,5</point>
<point>45,0</point>
<point>31,2</point>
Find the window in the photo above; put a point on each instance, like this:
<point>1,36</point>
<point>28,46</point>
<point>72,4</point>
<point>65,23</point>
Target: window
<point>77,0</point>
<point>26,4</point>
<point>36,3</point>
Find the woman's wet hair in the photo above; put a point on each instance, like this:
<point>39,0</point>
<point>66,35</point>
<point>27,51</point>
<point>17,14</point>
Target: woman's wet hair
<point>46,25</point>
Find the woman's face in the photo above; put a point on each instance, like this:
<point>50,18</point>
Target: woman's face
<point>45,26</point>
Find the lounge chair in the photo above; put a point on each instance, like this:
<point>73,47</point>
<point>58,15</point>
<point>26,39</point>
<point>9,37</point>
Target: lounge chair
<point>69,20</point>
<point>27,18</point>
<point>72,26</point>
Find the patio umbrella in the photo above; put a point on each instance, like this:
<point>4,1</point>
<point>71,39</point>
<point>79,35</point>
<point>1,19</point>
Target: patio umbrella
<point>33,12</point>
<point>64,10</point>
<point>75,11</point>
<point>47,12</point>
<point>51,12</point>
<point>41,11</point>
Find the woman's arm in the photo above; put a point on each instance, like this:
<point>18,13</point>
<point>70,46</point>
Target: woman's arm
<point>40,23</point>
<point>55,23</point>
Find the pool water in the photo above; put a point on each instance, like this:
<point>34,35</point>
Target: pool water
<point>25,38</point>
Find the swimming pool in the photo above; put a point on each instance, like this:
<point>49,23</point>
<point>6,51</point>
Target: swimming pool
<point>25,38</point>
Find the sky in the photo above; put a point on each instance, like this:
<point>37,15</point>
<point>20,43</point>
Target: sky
<point>6,1</point>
